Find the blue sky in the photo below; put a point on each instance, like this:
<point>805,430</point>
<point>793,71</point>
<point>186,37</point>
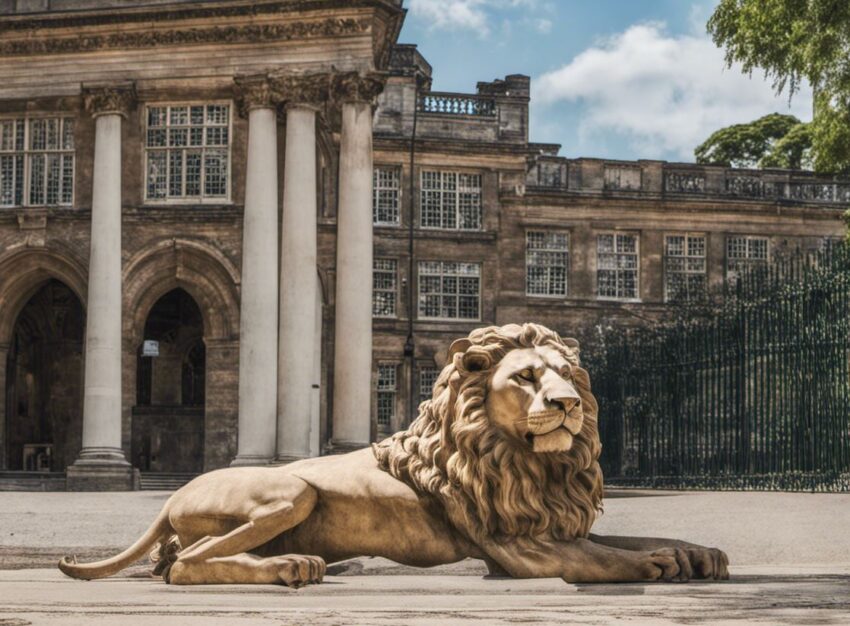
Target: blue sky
<point>620,79</point>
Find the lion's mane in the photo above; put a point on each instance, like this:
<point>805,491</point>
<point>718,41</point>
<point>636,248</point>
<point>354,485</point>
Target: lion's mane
<point>500,487</point>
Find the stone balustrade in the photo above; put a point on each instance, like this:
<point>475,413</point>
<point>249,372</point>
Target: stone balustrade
<point>550,173</point>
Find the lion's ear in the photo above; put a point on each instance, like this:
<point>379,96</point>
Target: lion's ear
<point>458,346</point>
<point>476,359</point>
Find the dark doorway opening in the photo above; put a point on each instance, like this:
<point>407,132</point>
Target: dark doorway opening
<point>168,419</point>
<point>44,382</point>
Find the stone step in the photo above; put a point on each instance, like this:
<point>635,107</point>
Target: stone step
<point>163,482</point>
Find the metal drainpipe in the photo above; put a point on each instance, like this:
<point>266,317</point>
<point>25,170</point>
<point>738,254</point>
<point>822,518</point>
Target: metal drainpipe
<point>409,344</point>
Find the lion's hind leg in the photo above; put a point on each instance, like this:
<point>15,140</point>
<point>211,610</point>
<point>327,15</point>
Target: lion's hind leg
<point>226,559</point>
<point>292,570</point>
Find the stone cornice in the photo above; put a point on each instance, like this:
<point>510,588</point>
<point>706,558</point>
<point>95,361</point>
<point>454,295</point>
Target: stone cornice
<point>356,87</point>
<point>246,33</point>
<point>109,99</point>
<point>175,12</point>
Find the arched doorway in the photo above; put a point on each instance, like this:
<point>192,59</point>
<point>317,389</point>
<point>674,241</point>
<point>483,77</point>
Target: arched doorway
<point>168,418</point>
<point>44,381</point>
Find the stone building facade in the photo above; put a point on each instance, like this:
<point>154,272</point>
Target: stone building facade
<point>218,243</point>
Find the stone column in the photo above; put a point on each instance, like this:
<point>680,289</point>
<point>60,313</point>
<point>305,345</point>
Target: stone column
<point>298,270</point>
<point>258,322</point>
<point>4,359</point>
<point>353,315</point>
<point>101,465</point>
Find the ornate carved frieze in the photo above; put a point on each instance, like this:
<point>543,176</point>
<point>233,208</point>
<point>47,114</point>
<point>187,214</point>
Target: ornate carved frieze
<point>254,92</point>
<point>301,89</point>
<point>248,33</point>
<point>120,99</point>
<point>356,87</point>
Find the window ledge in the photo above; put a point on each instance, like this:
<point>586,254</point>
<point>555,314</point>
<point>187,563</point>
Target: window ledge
<point>623,300</point>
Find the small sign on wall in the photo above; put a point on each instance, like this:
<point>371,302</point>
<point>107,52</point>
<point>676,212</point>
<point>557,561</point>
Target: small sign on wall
<point>150,348</point>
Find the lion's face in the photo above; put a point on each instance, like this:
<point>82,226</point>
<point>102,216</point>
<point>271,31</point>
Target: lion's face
<point>532,399</point>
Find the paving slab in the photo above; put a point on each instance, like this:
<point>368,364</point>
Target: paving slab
<point>766,595</point>
<point>790,565</point>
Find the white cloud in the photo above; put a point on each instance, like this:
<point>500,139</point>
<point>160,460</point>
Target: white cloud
<point>463,14</point>
<point>664,94</point>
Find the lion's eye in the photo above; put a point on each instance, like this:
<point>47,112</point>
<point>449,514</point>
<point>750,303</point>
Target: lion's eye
<point>566,372</point>
<point>527,374</point>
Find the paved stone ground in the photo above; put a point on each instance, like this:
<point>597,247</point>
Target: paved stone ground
<point>790,558</point>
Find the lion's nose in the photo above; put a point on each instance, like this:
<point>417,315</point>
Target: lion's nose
<point>568,404</point>
<point>575,416</point>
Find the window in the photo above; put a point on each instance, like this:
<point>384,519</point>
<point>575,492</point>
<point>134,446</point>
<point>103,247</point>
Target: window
<point>37,161</point>
<point>384,274</point>
<point>387,381</point>
<point>427,378</point>
<point>451,201</point>
<point>386,191</point>
<point>188,152</point>
<point>449,291</point>
<point>546,263</point>
<point>684,267</point>
<point>617,266</point>
<point>743,253</point>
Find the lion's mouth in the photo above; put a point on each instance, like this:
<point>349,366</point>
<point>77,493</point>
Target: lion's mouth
<point>553,430</point>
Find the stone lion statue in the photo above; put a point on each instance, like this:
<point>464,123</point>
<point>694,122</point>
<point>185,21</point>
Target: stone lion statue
<point>500,465</point>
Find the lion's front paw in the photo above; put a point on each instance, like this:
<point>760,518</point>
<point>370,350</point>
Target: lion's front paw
<point>297,570</point>
<point>672,564</point>
<point>709,563</point>
<point>682,564</point>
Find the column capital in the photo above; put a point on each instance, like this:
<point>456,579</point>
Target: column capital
<point>353,87</point>
<point>302,90</point>
<point>118,99</point>
<point>254,92</point>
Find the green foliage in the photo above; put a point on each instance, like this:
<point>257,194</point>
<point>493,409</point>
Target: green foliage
<point>747,145</point>
<point>793,151</point>
<point>795,41</point>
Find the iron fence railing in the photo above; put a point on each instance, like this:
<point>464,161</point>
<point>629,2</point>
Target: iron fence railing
<point>755,394</point>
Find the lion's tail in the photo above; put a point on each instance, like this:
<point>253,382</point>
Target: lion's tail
<point>101,569</point>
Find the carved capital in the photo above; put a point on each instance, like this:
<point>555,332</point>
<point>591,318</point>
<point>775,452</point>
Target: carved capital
<point>302,89</point>
<point>356,87</point>
<point>110,99</point>
<point>254,92</point>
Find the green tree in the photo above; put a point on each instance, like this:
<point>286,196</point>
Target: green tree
<point>795,41</point>
<point>774,140</point>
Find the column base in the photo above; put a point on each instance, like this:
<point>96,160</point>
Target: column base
<point>250,460</point>
<point>101,469</point>
<point>336,446</point>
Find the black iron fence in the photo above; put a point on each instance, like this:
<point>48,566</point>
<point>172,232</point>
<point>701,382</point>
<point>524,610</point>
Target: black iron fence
<point>752,393</point>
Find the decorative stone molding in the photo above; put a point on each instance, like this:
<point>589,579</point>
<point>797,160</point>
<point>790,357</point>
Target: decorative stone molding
<point>111,99</point>
<point>253,92</point>
<point>249,33</point>
<point>302,89</point>
<point>356,87</point>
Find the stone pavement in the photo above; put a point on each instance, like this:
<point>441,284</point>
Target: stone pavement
<point>790,558</point>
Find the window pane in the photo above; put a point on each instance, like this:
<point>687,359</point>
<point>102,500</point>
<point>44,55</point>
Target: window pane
<point>157,174</point>
<point>194,143</point>
<point>449,290</point>
<point>450,201</point>
<point>617,265</point>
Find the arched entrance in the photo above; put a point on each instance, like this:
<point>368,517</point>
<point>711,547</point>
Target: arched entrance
<point>44,381</point>
<point>167,434</point>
